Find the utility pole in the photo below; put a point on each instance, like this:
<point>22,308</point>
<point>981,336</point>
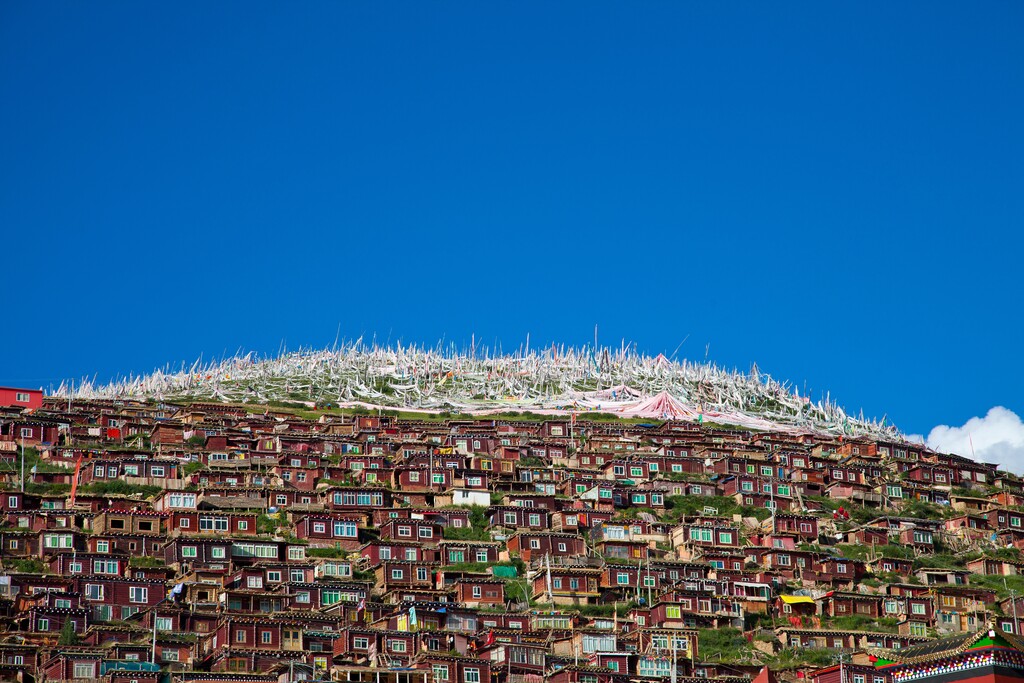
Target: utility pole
<point>1013,602</point>
<point>23,462</point>
<point>152,652</point>
<point>673,672</point>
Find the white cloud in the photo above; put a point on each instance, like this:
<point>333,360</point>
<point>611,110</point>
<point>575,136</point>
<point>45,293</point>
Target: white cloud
<point>998,437</point>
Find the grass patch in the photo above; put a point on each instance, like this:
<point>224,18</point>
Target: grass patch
<point>724,644</point>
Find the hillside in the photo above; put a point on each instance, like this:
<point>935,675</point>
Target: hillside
<point>550,381</point>
<point>520,537</point>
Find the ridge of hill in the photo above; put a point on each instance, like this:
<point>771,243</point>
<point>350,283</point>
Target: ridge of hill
<point>553,380</point>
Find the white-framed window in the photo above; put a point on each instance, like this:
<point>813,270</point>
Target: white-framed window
<point>471,675</point>
<point>85,670</point>
<point>138,594</point>
<point>396,645</point>
<point>218,553</point>
<point>440,672</point>
<point>188,551</point>
<point>26,432</point>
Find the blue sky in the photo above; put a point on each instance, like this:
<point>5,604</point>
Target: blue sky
<point>829,189</point>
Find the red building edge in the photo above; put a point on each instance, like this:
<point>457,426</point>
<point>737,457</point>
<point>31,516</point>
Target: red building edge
<point>14,397</point>
<point>985,656</point>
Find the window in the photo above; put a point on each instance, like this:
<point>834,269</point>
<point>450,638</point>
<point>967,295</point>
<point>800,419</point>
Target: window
<point>361,643</point>
<point>93,591</point>
<point>673,612</point>
<point>397,574</point>
<point>138,594</point>
<point>169,655</point>
<point>85,670</point>
<point>239,636</point>
<point>841,568</point>
<point>188,551</point>
<point>426,532</point>
<point>472,675</point>
<point>156,471</point>
<point>103,546</point>
<point>302,597</point>
<point>622,579</point>
<point>26,432</point>
<point>440,672</point>
<point>535,543</point>
<point>396,645</point>
<point>700,534</point>
<point>164,624</point>
<point>917,608</point>
<point>104,567</point>
<point>725,537</point>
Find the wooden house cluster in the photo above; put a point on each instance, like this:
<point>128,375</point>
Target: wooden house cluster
<point>207,542</point>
